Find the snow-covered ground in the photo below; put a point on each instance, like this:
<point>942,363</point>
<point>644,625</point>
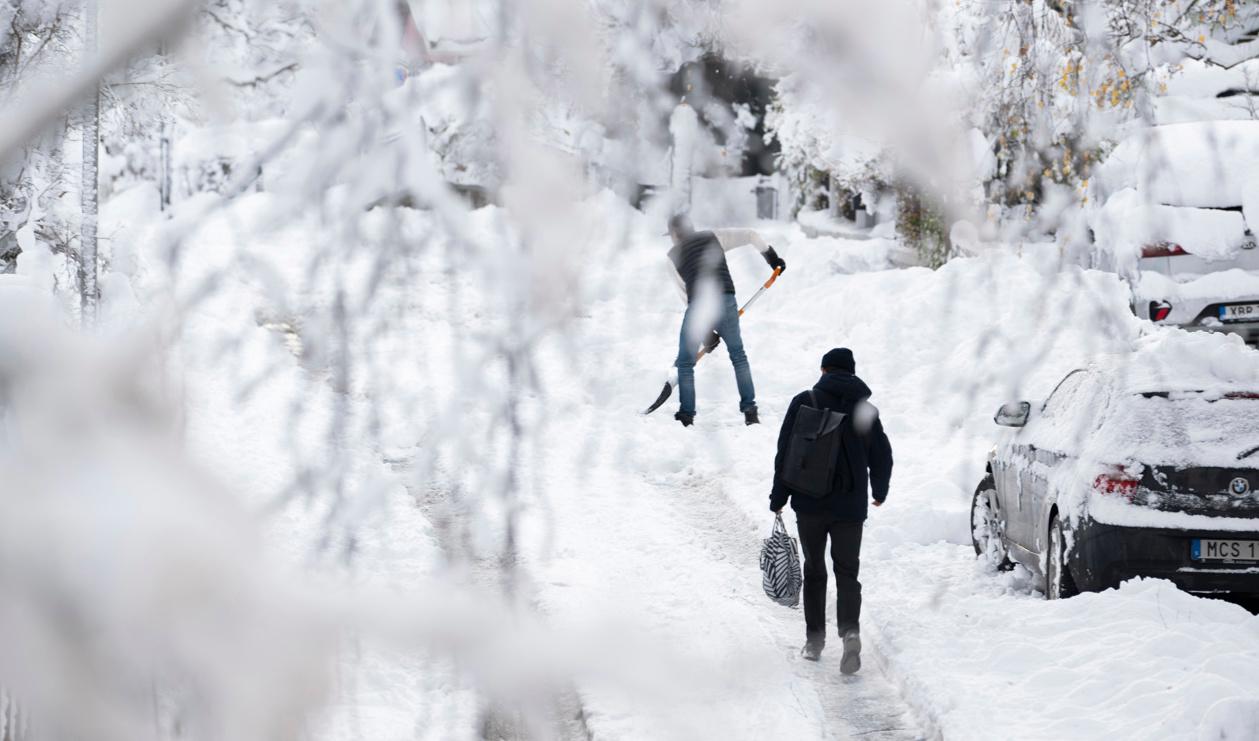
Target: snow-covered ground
<point>639,538</point>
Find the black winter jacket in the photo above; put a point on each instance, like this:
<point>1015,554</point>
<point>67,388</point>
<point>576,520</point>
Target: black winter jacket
<point>870,468</point>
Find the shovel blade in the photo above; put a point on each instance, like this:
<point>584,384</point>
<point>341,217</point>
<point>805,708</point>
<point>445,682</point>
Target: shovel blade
<point>665,393</point>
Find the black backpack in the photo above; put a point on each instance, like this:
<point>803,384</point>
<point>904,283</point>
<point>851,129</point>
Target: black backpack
<point>816,450</point>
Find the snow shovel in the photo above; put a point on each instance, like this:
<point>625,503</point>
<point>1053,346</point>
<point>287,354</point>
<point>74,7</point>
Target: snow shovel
<point>667,391</point>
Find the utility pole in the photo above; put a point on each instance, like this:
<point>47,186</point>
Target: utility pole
<point>89,191</point>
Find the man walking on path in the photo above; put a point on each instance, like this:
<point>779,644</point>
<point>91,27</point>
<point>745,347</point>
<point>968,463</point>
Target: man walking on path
<point>712,313</point>
<point>865,460</point>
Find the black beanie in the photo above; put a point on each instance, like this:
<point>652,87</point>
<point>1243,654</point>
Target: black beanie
<point>840,359</point>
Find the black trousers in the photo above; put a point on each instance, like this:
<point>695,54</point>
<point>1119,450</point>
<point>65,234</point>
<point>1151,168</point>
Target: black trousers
<point>846,554</point>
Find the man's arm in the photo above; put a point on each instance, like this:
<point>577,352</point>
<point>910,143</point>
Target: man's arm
<point>879,458</point>
<point>778,495</point>
<point>733,238</point>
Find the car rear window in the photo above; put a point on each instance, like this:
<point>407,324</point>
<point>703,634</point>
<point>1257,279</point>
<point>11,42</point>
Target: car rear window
<point>1183,428</point>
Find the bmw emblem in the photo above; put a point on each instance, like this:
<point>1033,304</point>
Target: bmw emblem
<point>1239,486</point>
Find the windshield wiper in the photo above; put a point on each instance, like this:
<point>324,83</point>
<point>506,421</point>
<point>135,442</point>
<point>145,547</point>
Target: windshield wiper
<point>1248,453</point>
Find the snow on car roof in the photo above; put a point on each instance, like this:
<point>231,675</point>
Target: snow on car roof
<point>1130,408</point>
<point>1128,223</point>
<point>1169,360</point>
<point>1206,165</point>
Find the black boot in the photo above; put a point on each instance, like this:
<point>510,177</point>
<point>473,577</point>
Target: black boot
<point>851,661</point>
<point>686,419</point>
<point>750,417</point>
<point>813,646</point>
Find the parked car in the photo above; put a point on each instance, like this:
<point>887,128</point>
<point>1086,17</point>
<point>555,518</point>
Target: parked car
<point>1121,474</point>
<point>1219,293</point>
<point>1175,216</point>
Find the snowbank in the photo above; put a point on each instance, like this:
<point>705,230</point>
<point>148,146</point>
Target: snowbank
<point>988,660</point>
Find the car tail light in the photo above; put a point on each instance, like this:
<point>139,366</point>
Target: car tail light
<point>1159,310</point>
<point>1241,395</point>
<point>1116,484</point>
<point>1163,249</point>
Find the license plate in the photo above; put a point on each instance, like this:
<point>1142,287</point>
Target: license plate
<point>1225,550</point>
<point>1239,313</point>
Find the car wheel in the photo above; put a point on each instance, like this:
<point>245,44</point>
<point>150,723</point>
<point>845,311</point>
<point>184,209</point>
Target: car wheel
<point>986,531</point>
<point>1058,581</point>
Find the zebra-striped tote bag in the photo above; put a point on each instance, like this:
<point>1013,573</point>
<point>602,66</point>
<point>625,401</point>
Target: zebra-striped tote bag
<point>780,566</point>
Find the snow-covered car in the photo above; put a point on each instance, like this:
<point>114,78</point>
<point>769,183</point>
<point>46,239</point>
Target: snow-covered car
<point>1122,473</point>
<point>1179,204</point>
<point>1219,293</point>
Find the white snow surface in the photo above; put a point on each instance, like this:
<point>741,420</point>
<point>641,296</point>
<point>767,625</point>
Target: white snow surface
<point>1206,164</point>
<point>1128,223</point>
<point>645,534</point>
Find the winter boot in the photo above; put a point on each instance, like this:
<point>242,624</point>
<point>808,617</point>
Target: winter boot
<point>813,646</point>
<point>851,660</point>
<point>686,419</point>
<point>750,417</point>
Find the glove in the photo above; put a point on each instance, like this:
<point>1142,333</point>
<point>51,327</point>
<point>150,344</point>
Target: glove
<point>711,343</point>
<point>775,262</point>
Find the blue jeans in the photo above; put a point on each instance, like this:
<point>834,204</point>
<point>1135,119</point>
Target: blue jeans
<point>728,328</point>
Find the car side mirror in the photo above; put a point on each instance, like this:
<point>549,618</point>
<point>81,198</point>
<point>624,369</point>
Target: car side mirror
<point>1013,414</point>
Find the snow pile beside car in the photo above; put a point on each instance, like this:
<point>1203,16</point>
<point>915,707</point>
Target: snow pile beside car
<point>986,661</point>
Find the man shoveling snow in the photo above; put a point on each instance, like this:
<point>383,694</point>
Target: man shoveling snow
<point>712,313</point>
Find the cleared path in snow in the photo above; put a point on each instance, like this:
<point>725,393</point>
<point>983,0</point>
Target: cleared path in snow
<point>865,705</point>
<point>671,554</point>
